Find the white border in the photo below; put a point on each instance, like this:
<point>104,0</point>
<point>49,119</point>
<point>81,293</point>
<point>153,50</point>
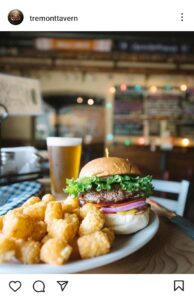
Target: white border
<point>99,287</point>
<point>123,15</point>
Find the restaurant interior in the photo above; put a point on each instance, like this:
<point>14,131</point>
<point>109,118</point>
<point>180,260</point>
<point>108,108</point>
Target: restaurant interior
<point>132,92</point>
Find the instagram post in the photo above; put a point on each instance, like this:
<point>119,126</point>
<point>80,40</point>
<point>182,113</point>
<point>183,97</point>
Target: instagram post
<point>96,155</point>
<point>96,152</point>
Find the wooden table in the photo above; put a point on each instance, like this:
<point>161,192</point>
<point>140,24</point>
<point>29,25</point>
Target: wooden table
<point>170,251</point>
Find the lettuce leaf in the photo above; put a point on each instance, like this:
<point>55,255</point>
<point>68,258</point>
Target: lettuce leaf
<point>136,185</point>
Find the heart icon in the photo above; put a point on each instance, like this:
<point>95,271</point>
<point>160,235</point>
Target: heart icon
<point>15,285</point>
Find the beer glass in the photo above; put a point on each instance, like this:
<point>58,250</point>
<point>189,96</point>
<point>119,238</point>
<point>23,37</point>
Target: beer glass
<point>64,159</point>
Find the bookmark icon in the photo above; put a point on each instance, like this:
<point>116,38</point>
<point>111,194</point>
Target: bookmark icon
<point>62,284</point>
<point>179,285</point>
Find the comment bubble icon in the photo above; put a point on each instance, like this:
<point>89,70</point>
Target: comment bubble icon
<point>39,286</point>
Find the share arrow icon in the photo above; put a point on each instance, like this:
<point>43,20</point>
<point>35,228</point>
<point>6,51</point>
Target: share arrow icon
<point>62,284</point>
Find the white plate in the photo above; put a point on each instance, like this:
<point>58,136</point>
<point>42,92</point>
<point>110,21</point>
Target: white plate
<point>123,246</point>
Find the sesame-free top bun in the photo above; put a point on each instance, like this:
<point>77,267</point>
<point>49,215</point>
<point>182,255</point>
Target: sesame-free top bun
<point>107,166</point>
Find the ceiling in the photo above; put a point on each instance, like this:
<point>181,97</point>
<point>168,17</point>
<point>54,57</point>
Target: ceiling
<point>18,52</point>
<point>138,36</point>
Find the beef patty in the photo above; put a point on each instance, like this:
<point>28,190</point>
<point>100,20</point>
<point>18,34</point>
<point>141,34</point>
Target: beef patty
<point>114,195</point>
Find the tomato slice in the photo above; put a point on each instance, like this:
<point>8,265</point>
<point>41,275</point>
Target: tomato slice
<point>125,202</point>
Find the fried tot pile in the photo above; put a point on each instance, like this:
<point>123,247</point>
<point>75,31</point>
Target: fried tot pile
<point>53,232</point>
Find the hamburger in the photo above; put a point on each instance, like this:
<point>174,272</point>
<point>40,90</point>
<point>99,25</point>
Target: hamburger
<point>116,187</point>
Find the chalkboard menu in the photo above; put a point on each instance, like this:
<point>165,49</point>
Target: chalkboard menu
<point>186,126</point>
<point>129,103</point>
<point>128,128</point>
<point>128,109</point>
<point>131,107</point>
<point>188,105</point>
<point>162,104</point>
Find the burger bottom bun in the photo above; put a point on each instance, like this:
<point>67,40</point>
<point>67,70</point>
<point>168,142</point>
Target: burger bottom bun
<point>127,224</point>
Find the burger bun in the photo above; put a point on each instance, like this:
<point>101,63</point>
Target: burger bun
<point>107,166</point>
<point>127,223</point>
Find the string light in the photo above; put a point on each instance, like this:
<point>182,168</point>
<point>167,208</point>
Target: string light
<point>127,142</point>
<point>183,87</point>
<point>138,88</point>
<point>80,100</point>
<point>112,89</point>
<point>123,87</point>
<point>153,89</point>
<point>109,137</point>
<point>90,101</point>
<point>88,139</point>
<point>141,140</point>
<point>109,105</point>
<point>185,142</point>
<point>168,87</point>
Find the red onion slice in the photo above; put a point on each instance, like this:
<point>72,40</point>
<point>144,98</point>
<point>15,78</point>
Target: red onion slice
<point>123,207</point>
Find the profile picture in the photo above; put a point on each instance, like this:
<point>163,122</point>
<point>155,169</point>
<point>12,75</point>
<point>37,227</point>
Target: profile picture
<point>15,17</point>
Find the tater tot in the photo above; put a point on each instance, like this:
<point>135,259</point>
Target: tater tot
<point>1,222</point>
<point>18,209</point>
<point>94,244</point>
<point>53,211</point>
<point>70,204</point>
<point>93,221</point>
<point>72,219</point>
<point>85,209</point>
<point>64,229</point>
<point>39,231</point>
<point>31,201</point>
<point>77,212</point>
<point>18,243</point>
<point>48,198</point>
<point>29,252</point>
<point>75,250</point>
<point>74,222</point>
<point>55,252</point>
<point>15,210</point>
<point>46,238</point>
<point>36,211</point>
<point>17,225</point>
<point>7,249</point>
<point>110,233</point>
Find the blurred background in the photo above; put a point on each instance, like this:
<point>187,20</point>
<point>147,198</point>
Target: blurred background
<point>132,92</point>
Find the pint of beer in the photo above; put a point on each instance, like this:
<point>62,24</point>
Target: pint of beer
<point>64,159</point>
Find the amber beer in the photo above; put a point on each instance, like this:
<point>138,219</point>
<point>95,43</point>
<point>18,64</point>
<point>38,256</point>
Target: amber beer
<point>64,160</point>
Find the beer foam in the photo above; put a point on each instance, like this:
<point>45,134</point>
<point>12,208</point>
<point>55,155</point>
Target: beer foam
<point>63,141</point>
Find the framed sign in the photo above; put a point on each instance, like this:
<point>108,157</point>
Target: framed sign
<point>21,96</point>
<point>45,44</point>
